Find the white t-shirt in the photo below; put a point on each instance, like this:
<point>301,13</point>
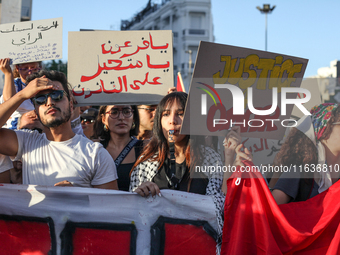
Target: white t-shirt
<point>5,163</point>
<point>78,160</point>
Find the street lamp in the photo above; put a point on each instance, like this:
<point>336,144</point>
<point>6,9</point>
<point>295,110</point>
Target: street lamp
<point>190,60</point>
<point>266,9</point>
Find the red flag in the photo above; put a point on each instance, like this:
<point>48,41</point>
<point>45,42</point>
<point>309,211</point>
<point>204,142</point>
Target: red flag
<point>179,84</point>
<point>255,224</point>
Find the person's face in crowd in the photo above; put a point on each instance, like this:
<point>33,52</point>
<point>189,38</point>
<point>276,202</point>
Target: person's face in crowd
<point>17,165</point>
<point>16,172</point>
<point>26,69</point>
<point>83,108</point>
<point>334,137</point>
<point>172,118</point>
<point>29,120</point>
<point>53,113</point>
<point>118,119</point>
<point>87,125</point>
<point>146,116</point>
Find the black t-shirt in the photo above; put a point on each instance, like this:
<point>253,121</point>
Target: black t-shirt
<point>196,185</point>
<point>297,188</point>
<point>123,170</point>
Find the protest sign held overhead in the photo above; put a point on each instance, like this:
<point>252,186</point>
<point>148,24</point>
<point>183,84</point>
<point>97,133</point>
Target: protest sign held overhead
<point>134,67</point>
<point>31,41</point>
<point>253,89</point>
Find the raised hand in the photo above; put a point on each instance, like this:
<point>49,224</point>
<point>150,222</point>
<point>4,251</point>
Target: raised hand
<point>242,155</point>
<point>37,85</point>
<point>232,140</point>
<point>5,66</point>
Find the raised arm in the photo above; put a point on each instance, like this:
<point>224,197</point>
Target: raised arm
<point>9,88</point>
<point>232,140</point>
<point>8,138</point>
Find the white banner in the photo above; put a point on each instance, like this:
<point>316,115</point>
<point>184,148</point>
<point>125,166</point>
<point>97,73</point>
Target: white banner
<point>68,210</point>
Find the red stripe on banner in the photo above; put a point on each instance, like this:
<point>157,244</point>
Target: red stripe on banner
<point>24,237</point>
<point>188,239</point>
<point>99,241</point>
<point>255,224</point>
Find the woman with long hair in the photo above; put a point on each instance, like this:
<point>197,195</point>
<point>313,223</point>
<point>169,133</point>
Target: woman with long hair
<point>116,127</point>
<point>169,160</point>
<point>312,152</point>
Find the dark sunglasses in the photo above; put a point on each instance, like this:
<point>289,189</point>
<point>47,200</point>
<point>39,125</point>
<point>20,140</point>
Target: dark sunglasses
<point>87,121</point>
<point>56,95</point>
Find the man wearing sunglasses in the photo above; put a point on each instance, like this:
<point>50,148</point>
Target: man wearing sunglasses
<point>146,116</point>
<point>87,118</point>
<point>58,156</point>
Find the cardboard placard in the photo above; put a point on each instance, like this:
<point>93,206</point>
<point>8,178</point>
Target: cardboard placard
<point>31,41</point>
<point>228,79</point>
<point>120,67</point>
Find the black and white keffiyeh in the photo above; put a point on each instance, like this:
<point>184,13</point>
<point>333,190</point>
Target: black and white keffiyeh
<point>147,170</point>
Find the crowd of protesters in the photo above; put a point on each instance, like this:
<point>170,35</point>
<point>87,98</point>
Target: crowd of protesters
<point>135,148</point>
<point>139,137</point>
<point>124,131</point>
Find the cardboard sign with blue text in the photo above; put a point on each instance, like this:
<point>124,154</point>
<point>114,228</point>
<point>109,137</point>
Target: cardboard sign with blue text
<point>31,41</point>
<point>120,67</point>
<point>253,89</point>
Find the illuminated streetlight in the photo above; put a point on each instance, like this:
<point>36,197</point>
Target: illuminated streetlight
<point>266,9</point>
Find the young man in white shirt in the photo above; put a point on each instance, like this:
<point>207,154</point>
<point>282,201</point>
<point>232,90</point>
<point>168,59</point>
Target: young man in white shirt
<point>57,157</point>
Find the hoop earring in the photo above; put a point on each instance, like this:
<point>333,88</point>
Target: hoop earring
<point>133,125</point>
<point>106,128</point>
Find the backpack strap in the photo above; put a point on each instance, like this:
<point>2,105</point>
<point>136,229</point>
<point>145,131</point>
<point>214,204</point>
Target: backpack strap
<point>125,151</point>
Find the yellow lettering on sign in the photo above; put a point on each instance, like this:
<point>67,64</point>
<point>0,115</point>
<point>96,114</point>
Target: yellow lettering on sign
<point>235,75</point>
<point>266,65</point>
<point>267,72</point>
<point>250,61</point>
<point>222,79</point>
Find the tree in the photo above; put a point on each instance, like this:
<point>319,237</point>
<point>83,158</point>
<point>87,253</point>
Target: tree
<point>58,66</point>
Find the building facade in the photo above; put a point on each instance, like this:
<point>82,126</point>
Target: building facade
<point>190,22</point>
<point>328,79</point>
<point>15,11</point>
